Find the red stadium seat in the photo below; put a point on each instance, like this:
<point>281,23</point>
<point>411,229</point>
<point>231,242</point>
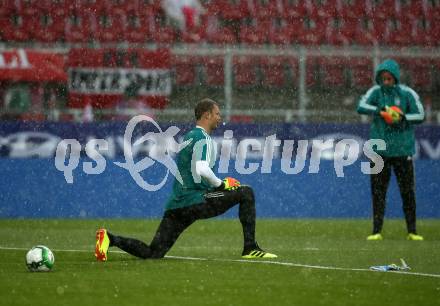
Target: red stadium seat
<point>385,8</point>
<point>61,8</point>
<point>121,6</point>
<point>51,28</point>
<point>349,28</point>
<point>332,71</point>
<point>310,31</point>
<point>273,71</point>
<point>294,9</point>
<point>90,6</point>
<point>421,32</point>
<point>16,27</point>
<point>398,32</point>
<point>214,70</point>
<point>435,31</point>
<point>356,9</point>
<point>340,31</point>
<point>413,9</point>
<point>404,64</point>
<point>163,34</point>
<point>362,72</point>
<point>380,26</point>
<point>137,27</point>
<point>7,7</point>
<point>29,7</point>
<point>421,74</point>
<point>265,9</point>
<point>433,9</point>
<point>153,6</point>
<point>234,9</point>
<point>253,34</point>
<point>185,70</point>
<point>110,27</point>
<point>325,9</point>
<point>80,27</point>
<point>245,70</point>
<point>282,35</point>
<point>296,26</point>
<point>366,32</point>
<point>222,35</point>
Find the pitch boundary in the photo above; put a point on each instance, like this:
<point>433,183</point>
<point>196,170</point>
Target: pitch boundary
<point>267,262</point>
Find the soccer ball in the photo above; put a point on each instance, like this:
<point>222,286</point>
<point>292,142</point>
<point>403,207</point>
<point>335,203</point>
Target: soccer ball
<point>40,258</point>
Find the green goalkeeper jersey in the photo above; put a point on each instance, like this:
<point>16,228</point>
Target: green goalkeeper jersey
<point>201,147</point>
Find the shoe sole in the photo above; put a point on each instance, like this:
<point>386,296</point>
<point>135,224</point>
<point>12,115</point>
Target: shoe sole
<point>267,256</point>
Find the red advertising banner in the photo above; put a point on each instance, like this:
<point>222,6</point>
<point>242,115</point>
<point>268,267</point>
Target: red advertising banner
<point>32,66</point>
<point>106,77</point>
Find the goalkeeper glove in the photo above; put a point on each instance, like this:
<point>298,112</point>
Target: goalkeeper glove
<point>229,183</point>
<point>391,115</point>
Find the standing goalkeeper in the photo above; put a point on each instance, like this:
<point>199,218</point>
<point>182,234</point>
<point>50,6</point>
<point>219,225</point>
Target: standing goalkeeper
<point>395,109</point>
<point>201,196</point>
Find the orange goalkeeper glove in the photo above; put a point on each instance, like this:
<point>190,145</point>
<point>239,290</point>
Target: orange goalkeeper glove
<point>391,115</point>
<point>229,183</point>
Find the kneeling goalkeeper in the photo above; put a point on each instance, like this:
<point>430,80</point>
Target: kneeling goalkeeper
<point>194,199</point>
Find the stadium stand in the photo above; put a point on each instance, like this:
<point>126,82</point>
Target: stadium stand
<point>242,23</point>
<point>245,70</point>
<point>184,70</point>
<point>255,22</point>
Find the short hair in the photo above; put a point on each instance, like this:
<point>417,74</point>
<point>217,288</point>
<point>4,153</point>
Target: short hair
<point>205,105</point>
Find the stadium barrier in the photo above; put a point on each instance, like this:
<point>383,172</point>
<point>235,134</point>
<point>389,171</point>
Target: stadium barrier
<point>34,188</point>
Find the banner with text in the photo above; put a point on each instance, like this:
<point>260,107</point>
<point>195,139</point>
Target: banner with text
<point>40,140</point>
<point>32,66</point>
<point>105,78</point>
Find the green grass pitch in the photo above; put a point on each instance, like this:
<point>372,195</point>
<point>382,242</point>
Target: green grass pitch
<point>218,278</point>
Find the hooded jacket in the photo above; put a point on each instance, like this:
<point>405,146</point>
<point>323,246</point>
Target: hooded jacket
<point>399,137</point>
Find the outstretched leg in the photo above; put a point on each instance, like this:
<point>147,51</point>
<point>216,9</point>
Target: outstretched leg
<point>173,223</point>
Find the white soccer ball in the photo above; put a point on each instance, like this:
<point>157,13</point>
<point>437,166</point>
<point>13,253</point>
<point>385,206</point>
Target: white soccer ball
<point>40,258</point>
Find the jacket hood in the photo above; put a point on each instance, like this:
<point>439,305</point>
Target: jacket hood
<point>392,67</point>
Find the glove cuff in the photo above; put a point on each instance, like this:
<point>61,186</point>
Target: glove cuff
<point>221,187</point>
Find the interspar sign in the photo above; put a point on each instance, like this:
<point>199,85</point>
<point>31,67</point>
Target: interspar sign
<point>110,81</point>
<point>102,77</point>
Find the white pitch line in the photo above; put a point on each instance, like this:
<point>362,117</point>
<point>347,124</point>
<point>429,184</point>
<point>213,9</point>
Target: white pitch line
<point>267,262</point>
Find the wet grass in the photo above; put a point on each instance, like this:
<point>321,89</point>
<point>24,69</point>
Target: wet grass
<point>77,279</point>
